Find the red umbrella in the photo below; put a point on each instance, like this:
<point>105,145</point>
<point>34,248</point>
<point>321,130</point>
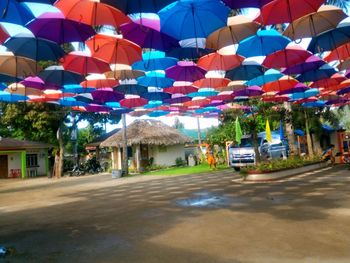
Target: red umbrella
<point>100,83</point>
<point>81,63</point>
<point>181,89</point>
<point>275,98</point>
<point>133,102</point>
<point>340,53</point>
<point>286,11</point>
<point>114,50</point>
<point>3,34</point>
<point>334,80</point>
<point>284,83</point>
<point>211,82</point>
<point>216,61</point>
<point>197,102</point>
<point>286,58</point>
<point>92,13</point>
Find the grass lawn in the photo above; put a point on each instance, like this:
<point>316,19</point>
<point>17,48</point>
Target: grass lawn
<point>202,168</point>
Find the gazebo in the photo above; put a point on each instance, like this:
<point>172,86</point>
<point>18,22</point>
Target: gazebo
<point>149,142</point>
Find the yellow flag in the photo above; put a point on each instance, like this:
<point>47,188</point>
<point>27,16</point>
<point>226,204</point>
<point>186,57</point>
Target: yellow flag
<point>268,132</point>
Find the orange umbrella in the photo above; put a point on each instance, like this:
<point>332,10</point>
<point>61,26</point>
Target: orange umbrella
<point>124,74</point>
<point>211,82</point>
<point>334,80</point>
<point>237,29</point>
<point>284,83</point>
<point>197,102</point>
<point>114,50</point>
<point>326,18</point>
<point>100,83</point>
<point>216,61</point>
<point>340,53</point>
<point>92,13</point>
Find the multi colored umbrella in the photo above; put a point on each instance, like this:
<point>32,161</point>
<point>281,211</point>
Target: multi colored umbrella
<point>237,29</point>
<point>194,18</point>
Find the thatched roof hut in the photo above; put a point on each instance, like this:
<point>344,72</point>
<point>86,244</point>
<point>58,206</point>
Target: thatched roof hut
<point>149,132</point>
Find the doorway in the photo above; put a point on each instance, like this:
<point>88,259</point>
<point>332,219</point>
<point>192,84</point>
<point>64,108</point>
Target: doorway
<point>3,166</point>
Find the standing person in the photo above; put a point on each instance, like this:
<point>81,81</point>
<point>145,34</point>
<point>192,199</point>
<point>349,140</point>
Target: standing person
<point>210,158</point>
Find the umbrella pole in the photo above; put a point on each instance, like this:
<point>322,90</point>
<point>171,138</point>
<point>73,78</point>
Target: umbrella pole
<point>125,166</point>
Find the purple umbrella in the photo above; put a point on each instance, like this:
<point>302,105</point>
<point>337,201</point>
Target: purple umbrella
<point>343,91</point>
<point>238,4</point>
<point>178,98</point>
<point>37,83</point>
<point>311,63</point>
<point>100,96</point>
<point>185,71</point>
<point>337,101</point>
<point>251,91</point>
<point>300,87</point>
<point>97,108</point>
<point>55,27</point>
<point>148,37</point>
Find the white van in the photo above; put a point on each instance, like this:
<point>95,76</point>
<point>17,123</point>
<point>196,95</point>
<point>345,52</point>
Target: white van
<point>244,154</point>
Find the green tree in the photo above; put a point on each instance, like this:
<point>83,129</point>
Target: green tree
<point>178,124</point>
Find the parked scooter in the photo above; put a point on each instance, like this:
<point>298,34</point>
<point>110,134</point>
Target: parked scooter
<point>76,171</point>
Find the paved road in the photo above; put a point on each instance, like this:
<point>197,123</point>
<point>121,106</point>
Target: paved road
<point>197,218</point>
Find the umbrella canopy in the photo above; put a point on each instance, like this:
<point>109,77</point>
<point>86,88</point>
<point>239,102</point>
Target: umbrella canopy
<point>156,96</point>
<point>326,18</point>
<point>92,13</point>
<point>147,37</point>
<point>188,53</point>
<point>131,89</point>
<point>14,66</point>
<point>114,50</point>
<point>237,29</point>
<point>340,53</point>
<point>334,80</point>
<point>8,97</point>
<point>234,4</point>
<point>246,71</point>
<point>304,95</point>
<point>269,76</point>
<point>185,71</point>
<point>211,82</point>
<point>15,13</point>
<point>133,102</point>
<point>216,61</point>
<point>34,48</point>
<point>19,89</point>
<point>156,81</point>
<point>317,74</point>
<point>58,76</point>
<point>286,11</point>
<point>37,83</point>
<point>3,34</point>
<point>138,6</point>
<point>102,96</point>
<point>282,84</point>
<point>177,99</point>
<point>158,113</point>
<point>300,87</point>
<point>331,39</point>
<point>74,88</point>
<point>82,63</point>
<point>263,43</point>
<point>252,91</point>
<point>55,27</point>
<point>181,89</point>
<point>100,83</point>
<point>194,18</point>
<point>287,57</point>
<point>311,63</point>
<point>155,64</point>
<point>124,74</point>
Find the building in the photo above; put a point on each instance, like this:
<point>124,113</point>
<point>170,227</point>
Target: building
<point>21,159</point>
<point>149,142</point>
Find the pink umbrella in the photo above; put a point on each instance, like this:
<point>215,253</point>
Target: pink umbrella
<point>36,83</point>
<point>83,64</point>
<point>185,71</point>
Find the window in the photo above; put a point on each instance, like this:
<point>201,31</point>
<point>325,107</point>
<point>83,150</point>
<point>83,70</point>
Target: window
<point>32,160</point>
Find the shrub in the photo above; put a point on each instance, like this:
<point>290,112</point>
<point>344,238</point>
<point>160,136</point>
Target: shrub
<point>180,162</point>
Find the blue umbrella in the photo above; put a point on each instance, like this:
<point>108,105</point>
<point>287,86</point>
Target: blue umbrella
<point>245,72</point>
<point>112,104</point>
<point>138,6</point>
<point>323,72</point>
<point>13,12</point>
<point>160,82</point>
<point>270,75</point>
<point>131,89</point>
<point>204,92</point>
<point>156,96</point>
<point>8,97</point>
<point>304,95</point>
<point>158,113</point>
<point>71,102</point>
<point>331,39</point>
<point>191,53</point>
<point>265,42</point>
<point>193,18</point>
<point>7,78</point>
<point>58,76</point>
<point>75,88</point>
<point>155,54</point>
<point>3,86</point>
<point>47,2</point>
<point>153,104</point>
<point>155,64</point>
<point>316,104</point>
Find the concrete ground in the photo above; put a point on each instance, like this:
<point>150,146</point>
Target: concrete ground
<point>198,218</point>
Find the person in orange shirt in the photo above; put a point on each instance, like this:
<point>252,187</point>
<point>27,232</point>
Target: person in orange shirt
<point>210,158</point>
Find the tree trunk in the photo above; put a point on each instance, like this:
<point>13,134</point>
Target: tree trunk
<point>58,166</point>
<point>290,132</point>
<point>256,146</point>
<point>308,136</point>
<point>125,164</point>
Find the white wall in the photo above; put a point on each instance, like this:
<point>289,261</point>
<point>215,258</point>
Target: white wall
<point>168,156</point>
<point>14,162</point>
